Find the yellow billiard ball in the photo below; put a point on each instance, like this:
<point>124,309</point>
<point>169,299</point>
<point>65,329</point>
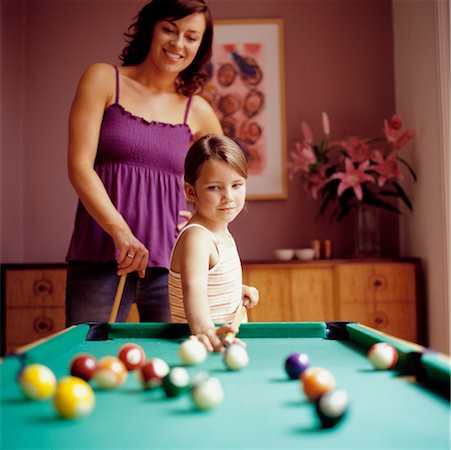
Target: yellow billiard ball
<point>37,382</point>
<point>74,398</point>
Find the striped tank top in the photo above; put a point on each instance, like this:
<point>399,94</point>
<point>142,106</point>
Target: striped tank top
<point>224,284</point>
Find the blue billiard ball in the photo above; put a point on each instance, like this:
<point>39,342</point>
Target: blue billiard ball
<point>296,364</point>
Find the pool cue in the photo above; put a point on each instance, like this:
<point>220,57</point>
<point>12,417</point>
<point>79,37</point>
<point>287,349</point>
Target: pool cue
<point>236,322</point>
<point>117,298</point>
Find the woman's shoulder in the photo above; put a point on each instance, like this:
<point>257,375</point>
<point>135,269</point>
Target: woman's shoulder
<point>99,71</point>
<point>203,118</point>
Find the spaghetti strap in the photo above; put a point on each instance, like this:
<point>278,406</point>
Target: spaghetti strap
<point>187,109</point>
<point>117,85</point>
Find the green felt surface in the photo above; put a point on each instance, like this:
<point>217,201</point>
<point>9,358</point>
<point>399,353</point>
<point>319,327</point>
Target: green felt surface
<point>262,409</point>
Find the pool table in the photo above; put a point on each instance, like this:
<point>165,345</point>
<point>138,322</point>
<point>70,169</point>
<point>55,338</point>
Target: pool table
<point>407,407</point>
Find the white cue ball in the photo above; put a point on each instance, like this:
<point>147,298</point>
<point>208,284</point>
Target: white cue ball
<point>236,357</point>
<point>207,393</point>
<point>192,352</point>
<point>383,356</point>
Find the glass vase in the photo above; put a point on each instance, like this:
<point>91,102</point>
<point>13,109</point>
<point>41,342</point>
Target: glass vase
<point>367,234</point>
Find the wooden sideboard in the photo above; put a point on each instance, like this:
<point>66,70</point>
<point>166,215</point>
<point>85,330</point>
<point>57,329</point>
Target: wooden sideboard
<point>384,294</point>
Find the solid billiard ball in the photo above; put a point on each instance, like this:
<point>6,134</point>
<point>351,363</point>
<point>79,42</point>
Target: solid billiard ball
<point>83,366</point>
<point>176,382</point>
<point>331,407</point>
<point>74,398</point>
<point>37,382</point>
<point>383,356</point>
<point>206,392</point>
<point>132,355</point>
<point>152,373</point>
<point>110,373</point>
<point>192,352</point>
<point>235,357</point>
<point>296,364</point>
<point>317,381</point>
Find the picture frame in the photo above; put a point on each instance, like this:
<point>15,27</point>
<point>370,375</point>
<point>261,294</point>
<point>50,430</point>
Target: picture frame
<point>246,89</point>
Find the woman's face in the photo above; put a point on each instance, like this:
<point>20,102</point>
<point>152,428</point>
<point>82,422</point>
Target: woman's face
<point>175,42</point>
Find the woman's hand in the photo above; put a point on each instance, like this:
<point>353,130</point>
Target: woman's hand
<point>132,255</point>
<point>187,214</point>
<point>250,296</point>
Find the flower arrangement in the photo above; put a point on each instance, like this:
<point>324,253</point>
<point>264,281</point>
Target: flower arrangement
<point>355,171</point>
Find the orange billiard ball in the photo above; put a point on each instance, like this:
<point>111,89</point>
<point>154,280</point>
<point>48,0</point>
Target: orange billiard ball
<point>317,381</point>
<point>110,373</point>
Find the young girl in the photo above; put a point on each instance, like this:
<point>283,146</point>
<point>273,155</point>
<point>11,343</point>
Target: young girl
<point>205,282</point>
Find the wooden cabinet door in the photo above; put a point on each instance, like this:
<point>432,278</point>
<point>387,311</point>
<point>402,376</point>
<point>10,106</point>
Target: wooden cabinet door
<point>380,295</point>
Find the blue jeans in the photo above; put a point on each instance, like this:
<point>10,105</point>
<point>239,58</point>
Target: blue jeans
<point>91,287</point>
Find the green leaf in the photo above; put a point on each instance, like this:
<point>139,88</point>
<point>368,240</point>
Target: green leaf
<point>412,172</point>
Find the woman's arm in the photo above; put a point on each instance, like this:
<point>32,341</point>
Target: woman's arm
<point>202,119</point>
<point>95,92</point>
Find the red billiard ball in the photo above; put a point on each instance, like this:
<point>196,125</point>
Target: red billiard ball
<point>152,373</point>
<point>132,355</point>
<point>317,381</point>
<point>83,366</point>
<point>383,356</point>
<point>296,364</point>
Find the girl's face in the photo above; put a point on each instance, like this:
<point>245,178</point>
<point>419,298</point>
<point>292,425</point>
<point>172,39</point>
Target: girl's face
<point>219,192</point>
<point>175,42</point>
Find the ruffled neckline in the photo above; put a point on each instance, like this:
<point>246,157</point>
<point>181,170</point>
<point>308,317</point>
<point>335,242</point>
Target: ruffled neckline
<point>147,122</point>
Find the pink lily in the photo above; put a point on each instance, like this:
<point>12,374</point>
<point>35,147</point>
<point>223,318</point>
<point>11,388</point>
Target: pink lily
<point>397,137</point>
<point>387,168</point>
<point>357,149</point>
<point>326,124</point>
<point>353,177</point>
<point>302,156</point>
<point>317,181</point>
<point>307,132</point>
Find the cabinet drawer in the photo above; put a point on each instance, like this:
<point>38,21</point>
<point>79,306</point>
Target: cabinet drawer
<point>25,325</point>
<point>383,282</point>
<point>30,288</point>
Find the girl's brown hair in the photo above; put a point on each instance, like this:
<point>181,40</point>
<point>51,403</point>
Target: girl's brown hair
<point>220,148</point>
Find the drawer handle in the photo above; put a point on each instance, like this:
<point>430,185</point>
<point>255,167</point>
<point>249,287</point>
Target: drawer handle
<point>378,283</point>
<point>379,320</point>
<point>43,325</point>
<point>42,287</point>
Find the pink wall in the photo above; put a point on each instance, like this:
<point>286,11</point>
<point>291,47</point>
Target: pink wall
<point>339,59</point>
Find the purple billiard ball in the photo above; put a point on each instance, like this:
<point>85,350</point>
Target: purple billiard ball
<point>295,364</point>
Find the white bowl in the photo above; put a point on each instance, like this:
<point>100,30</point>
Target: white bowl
<point>284,254</point>
<point>304,254</point>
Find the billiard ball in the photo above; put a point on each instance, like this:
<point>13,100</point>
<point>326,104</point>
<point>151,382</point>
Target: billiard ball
<point>83,366</point>
<point>110,373</point>
<point>331,407</point>
<point>206,392</point>
<point>37,382</point>
<point>152,373</point>
<point>176,382</point>
<point>74,398</point>
<point>383,356</point>
<point>317,381</point>
<point>192,352</point>
<point>235,357</point>
<point>296,364</point>
<point>132,355</point>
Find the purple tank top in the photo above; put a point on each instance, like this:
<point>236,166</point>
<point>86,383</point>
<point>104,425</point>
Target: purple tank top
<point>141,166</point>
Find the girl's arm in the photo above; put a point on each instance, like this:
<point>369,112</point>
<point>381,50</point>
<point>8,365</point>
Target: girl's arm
<point>95,92</point>
<point>194,255</point>
<point>250,296</point>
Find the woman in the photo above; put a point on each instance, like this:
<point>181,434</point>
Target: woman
<point>129,131</point>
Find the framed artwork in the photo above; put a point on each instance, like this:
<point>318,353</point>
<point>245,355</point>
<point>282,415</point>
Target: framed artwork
<point>246,90</point>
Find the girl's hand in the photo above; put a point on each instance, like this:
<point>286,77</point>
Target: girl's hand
<point>250,296</point>
<point>214,338</point>
<point>187,215</point>
<point>132,255</point>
